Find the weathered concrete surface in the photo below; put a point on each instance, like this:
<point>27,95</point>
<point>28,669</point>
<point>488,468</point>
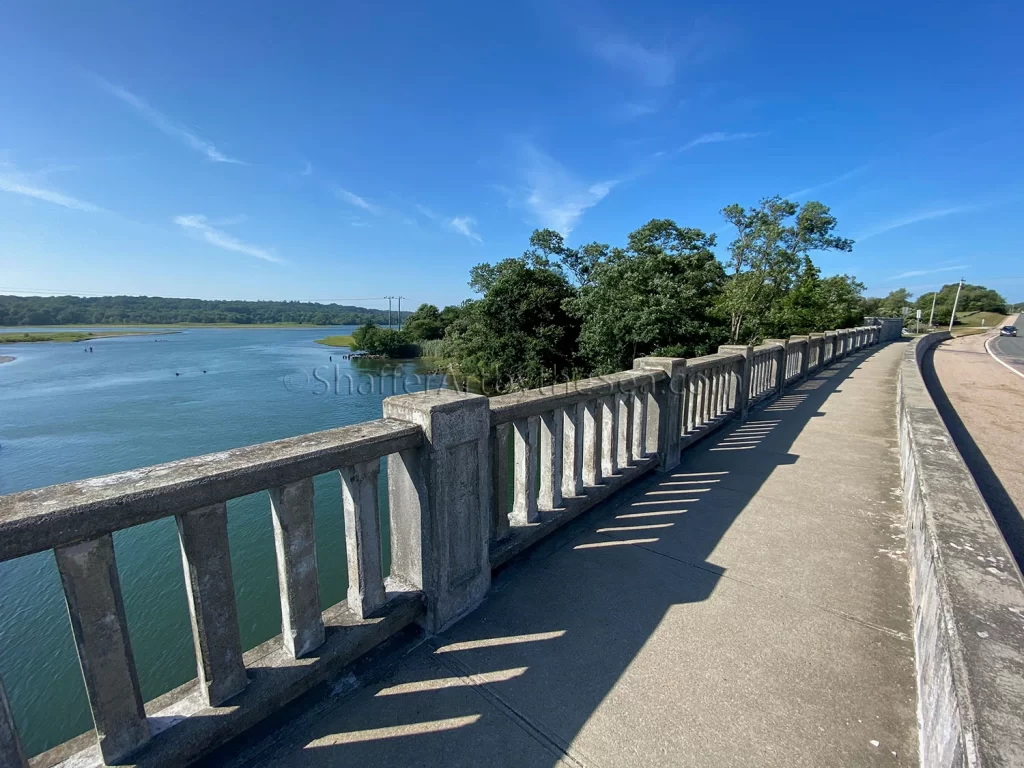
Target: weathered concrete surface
<point>982,404</point>
<point>967,591</point>
<point>749,607</point>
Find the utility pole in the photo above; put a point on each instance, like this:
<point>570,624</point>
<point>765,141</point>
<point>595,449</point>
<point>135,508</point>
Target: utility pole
<point>389,298</point>
<point>952,318</point>
<point>931,317</point>
<point>400,311</point>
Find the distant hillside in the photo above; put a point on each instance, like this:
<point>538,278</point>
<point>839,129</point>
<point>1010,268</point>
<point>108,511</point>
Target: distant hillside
<point>132,310</point>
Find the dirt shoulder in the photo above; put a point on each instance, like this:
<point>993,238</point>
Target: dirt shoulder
<point>982,404</point>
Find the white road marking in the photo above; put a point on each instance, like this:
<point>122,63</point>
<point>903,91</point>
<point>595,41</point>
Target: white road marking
<point>1003,363</point>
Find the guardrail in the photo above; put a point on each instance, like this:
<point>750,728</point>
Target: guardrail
<point>470,481</point>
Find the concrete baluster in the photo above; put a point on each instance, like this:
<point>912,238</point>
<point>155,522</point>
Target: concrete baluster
<point>206,557</point>
<point>551,459</point>
<point>88,573</point>
<point>501,498</point>
<point>609,435</point>
<point>593,435</point>
<point>572,450</point>
<point>361,505</point>
<point>291,509</point>
<point>439,500</point>
<point>524,499</point>
<point>624,405</point>
<point>639,411</point>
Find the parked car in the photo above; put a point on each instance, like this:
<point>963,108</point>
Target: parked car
<point>1008,330</point>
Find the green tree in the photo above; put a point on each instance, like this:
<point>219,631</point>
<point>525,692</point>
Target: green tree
<point>387,342</point>
<point>518,334</point>
<point>768,258</point>
<point>425,323</point>
<point>657,294</point>
<point>973,298</point>
<point>894,304</point>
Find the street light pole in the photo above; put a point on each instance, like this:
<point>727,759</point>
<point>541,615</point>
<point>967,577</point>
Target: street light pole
<point>931,317</point>
<point>952,318</point>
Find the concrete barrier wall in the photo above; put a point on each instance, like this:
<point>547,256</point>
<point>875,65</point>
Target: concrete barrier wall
<point>967,592</point>
<point>890,328</point>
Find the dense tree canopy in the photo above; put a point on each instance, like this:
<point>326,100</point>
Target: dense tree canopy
<point>973,298</point>
<point>768,258</point>
<point>127,310</point>
<point>657,293</point>
<point>519,334</point>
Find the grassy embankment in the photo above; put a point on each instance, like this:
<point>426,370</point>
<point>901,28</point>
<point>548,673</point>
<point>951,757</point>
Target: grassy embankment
<point>336,341</point>
<point>21,338</point>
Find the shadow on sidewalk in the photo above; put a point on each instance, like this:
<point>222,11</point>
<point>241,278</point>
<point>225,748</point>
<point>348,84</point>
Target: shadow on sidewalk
<point>1003,508</point>
<point>516,681</point>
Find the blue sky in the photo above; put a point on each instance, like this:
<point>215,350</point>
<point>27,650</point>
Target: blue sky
<point>347,151</point>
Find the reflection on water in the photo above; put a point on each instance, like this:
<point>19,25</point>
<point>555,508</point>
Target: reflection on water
<point>141,400</point>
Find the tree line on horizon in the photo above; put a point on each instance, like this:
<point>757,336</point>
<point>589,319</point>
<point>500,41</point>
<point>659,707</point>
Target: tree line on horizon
<point>558,312</point>
<point>132,310</point>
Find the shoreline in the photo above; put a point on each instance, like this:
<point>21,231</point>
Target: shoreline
<point>71,337</point>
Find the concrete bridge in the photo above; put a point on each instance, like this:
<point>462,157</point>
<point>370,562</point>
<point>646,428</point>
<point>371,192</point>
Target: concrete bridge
<point>783,561</point>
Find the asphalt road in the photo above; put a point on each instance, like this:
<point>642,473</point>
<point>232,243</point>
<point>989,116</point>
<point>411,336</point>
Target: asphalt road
<point>1010,349</point>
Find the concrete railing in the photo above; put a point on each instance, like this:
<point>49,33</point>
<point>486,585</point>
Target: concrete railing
<point>968,595</point>
<point>471,482</point>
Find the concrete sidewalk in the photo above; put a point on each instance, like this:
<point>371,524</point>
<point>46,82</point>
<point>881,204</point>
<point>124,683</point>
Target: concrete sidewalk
<point>749,608</point>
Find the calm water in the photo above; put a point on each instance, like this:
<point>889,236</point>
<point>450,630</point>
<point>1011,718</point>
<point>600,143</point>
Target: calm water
<point>66,414</point>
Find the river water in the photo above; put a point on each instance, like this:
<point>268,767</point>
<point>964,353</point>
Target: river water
<point>68,414</point>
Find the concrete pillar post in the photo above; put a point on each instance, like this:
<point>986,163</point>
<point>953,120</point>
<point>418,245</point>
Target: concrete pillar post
<point>362,537</point>
<point>781,359</point>
<point>439,496</point>
<point>664,415</point>
<point>206,557</point>
<point>742,383</point>
<point>11,753</point>
<point>88,573</point>
<point>572,450</point>
<point>291,509</point>
<point>551,459</point>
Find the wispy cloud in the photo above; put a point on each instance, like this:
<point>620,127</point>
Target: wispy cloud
<point>166,124</point>
<point>653,68</point>
<point>807,191</point>
<point>203,228</point>
<point>307,170</point>
<point>553,195</point>
<point>465,225</point>
<point>425,211</point>
<point>16,185</point>
<point>920,272</point>
<point>359,202</point>
<point>717,137</point>
<point>634,110</point>
<point>927,215</point>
